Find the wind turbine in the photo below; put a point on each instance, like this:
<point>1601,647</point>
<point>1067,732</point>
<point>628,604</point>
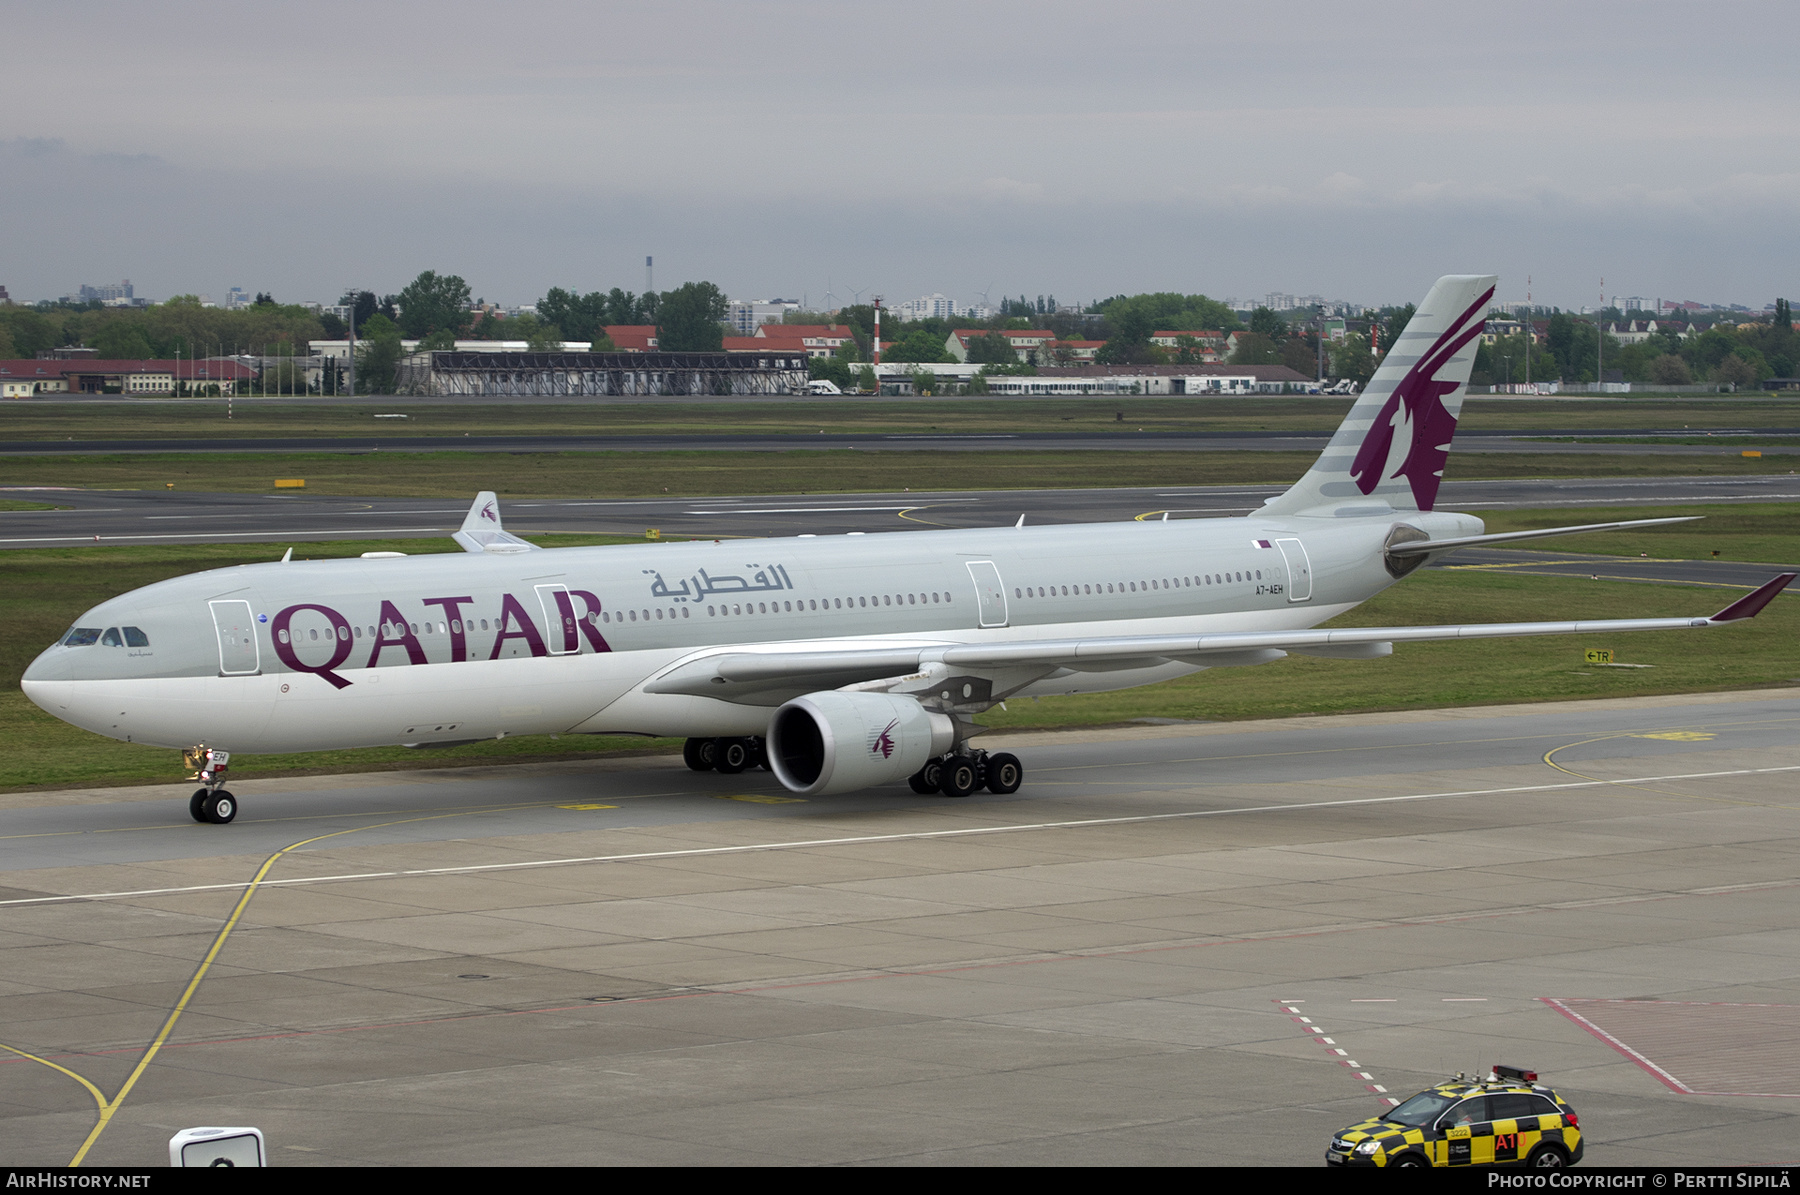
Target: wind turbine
<point>829,297</point>
<point>857,294</point>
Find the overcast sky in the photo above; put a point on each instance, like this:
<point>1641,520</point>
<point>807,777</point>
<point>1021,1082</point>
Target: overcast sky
<point>1355,150</point>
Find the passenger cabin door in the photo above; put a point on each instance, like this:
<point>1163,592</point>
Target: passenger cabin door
<point>990,593</point>
<point>1299,568</point>
<point>561,636</point>
<point>236,627</point>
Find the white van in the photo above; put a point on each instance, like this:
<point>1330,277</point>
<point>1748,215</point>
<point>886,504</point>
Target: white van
<point>822,386</point>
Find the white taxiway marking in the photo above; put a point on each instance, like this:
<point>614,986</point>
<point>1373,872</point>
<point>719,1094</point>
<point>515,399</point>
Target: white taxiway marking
<point>968,832</point>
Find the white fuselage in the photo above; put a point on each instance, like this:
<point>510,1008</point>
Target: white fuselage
<point>445,648</point>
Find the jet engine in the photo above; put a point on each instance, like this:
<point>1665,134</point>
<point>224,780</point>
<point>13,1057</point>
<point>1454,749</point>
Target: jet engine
<point>833,742</point>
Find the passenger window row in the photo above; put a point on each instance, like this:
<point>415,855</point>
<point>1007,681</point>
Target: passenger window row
<point>810,605</point>
<point>1197,581</point>
<point>632,615</point>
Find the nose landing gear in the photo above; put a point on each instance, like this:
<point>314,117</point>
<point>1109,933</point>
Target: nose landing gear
<point>211,802</point>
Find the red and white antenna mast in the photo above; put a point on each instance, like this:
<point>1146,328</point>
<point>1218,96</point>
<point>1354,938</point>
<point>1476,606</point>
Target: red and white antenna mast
<point>878,329</point>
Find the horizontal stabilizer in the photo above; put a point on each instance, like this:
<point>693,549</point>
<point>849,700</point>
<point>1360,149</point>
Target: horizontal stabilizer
<point>481,530</point>
<point>1419,547</point>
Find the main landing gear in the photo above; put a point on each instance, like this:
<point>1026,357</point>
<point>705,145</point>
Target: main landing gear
<point>959,774</point>
<point>729,756</point>
<point>211,802</point>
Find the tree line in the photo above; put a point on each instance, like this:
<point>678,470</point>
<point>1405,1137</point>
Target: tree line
<point>1575,350</point>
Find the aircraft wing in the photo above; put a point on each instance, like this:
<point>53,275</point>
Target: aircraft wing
<point>758,678</point>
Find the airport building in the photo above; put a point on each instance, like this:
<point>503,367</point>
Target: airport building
<point>340,349</point>
<point>596,375</point>
<point>1218,380</point>
<point>91,375</point>
<point>1029,345</point>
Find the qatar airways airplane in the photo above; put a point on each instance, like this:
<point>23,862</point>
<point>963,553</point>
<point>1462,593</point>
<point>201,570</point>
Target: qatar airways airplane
<point>839,662</point>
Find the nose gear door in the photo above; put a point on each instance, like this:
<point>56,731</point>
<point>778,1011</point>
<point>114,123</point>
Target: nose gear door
<point>239,654</point>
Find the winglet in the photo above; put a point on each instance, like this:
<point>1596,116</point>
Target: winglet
<point>481,530</point>
<point>1751,604</point>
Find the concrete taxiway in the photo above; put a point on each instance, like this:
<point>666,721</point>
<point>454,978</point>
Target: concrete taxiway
<point>164,516</point>
<point>1195,943</point>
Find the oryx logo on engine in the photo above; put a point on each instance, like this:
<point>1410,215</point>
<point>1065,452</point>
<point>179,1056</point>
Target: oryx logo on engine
<point>883,744</point>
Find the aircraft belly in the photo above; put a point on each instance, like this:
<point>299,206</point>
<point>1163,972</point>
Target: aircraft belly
<point>301,712</point>
<point>178,712</point>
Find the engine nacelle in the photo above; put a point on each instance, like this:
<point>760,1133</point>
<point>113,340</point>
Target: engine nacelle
<point>834,742</point>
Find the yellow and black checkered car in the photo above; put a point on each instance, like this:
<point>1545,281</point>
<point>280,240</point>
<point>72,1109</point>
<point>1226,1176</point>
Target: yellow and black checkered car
<point>1507,1119</point>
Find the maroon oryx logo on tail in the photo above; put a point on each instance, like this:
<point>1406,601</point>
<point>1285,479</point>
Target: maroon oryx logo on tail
<point>1416,413</point>
<point>487,512</point>
<point>883,743</point>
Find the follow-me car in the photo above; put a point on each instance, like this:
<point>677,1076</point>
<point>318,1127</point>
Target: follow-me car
<point>1506,1119</point>
<point>850,661</point>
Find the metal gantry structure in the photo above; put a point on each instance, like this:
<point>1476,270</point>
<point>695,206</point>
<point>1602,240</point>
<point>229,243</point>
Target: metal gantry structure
<point>600,375</point>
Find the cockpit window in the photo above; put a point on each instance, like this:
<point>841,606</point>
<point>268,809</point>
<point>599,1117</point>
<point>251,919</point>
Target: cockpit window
<point>111,638</point>
<point>82,637</point>
<point>136,638</point>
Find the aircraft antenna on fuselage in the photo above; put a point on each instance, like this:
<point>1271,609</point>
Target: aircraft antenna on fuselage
<point>1390,449</point>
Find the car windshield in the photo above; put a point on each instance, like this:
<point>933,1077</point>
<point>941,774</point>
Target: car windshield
<point>1421,1109</point>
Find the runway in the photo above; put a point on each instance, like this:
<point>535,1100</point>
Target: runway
<point>1546,440</point>
<point>1181,944</point>
<point>159,516</point>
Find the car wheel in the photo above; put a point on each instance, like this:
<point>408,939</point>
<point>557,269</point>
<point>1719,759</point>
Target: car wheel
<point>1409,1162</point>
<point>1547,1157</point>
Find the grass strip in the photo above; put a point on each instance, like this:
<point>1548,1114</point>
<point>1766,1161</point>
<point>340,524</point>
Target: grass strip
<point>44,420</point>
<point>694,474</point>
<point>1763,532</point>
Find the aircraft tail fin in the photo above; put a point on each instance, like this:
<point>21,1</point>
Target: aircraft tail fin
<point>1390,450</point>
<point>481,530</point>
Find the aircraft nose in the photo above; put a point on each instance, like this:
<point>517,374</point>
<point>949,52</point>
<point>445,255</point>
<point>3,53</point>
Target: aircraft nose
<point>52,665</point>
<point>46,682</point>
